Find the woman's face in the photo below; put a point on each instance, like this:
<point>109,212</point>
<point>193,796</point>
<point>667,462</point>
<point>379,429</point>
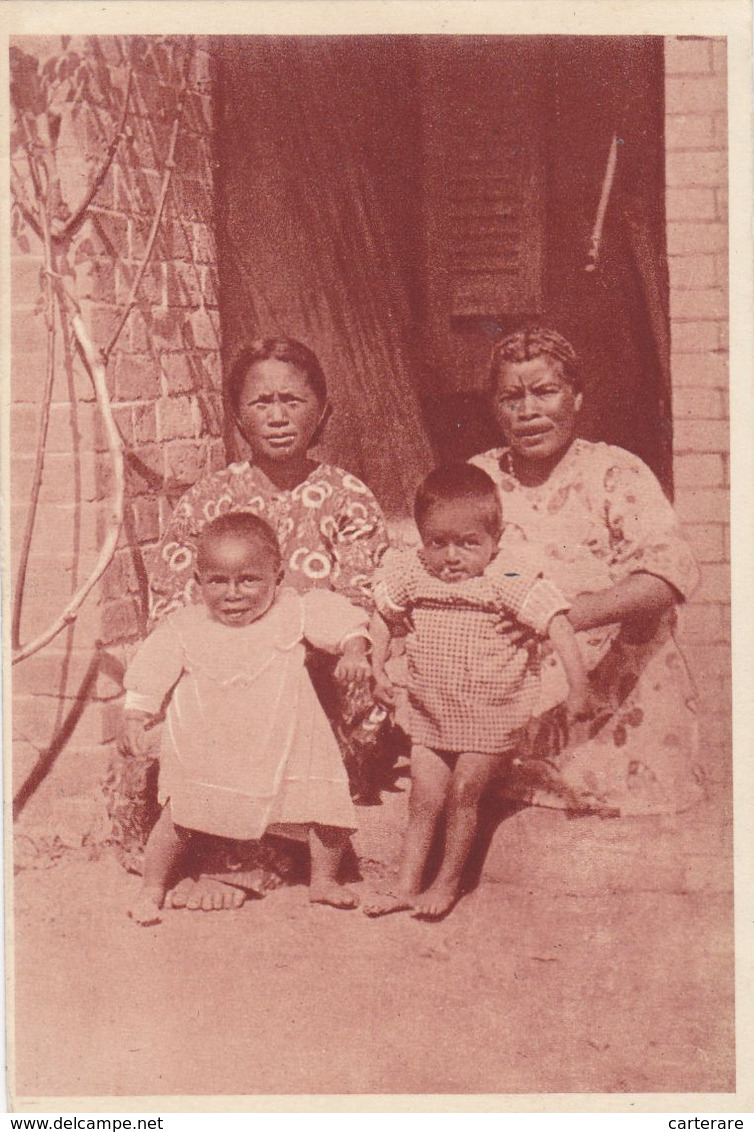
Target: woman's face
<point>278,411</point>
<point>536,407</point>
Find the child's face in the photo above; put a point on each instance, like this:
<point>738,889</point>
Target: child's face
<point>237,577</point>
<point>278,411</point>
<point>457,543</point>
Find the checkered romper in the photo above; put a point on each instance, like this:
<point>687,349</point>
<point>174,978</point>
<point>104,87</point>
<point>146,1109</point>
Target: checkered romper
<point>473,667</point>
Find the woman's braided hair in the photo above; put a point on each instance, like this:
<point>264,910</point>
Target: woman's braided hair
<point>535,342</point>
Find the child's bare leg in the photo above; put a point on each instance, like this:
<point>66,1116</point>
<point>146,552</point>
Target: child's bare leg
<point>327,844</point>
<point>471,776</point>
<point>166,845</point>
<point>430,781</point>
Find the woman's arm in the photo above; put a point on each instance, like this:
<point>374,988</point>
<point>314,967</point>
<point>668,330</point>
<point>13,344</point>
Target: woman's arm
<point>638,594</point>
<point>379,631</point>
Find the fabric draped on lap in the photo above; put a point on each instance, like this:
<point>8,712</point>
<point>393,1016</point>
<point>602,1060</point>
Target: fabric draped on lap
<point>601,517</point>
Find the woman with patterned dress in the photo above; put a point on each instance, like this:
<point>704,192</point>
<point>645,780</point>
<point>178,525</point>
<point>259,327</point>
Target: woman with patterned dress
<point>597,522</point>
<point>331,531</point>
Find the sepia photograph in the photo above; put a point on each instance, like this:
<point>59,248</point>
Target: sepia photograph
<point>368,595</point>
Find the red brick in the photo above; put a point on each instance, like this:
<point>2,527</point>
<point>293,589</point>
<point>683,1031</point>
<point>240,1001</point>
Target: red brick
<point>141,480</point>
<point>151,288</point>
<point>702,621</point>
<point>720,129</point>
<point>702,506</point>
<point>145,423</point>
<point>701,436</point>
<point>698,305</point>
<point>720,56</point>
<point>692,93</point>
<point>136,377</point>
<point>698,470</point>
<point>708,168</point>
<point>689,131</point>
<point>172,241</point>
<point>136,190</point>
<point>690,272</point>
<point>708,370</point>
<point>111,230</point>
<point>204,244</point>
<point>708,541</point>
<point>205,330</point>
<point>185,461</point>
<point>690,204</point>
<point>723,336</point>
<point>715,581</point>
<point>688,56</point>
<point>183,285</point>
<point>146,513</point>
<point>211,287</point>
<point>168,328</point>
<point>120,577</point>
<point>176,369</point>
<point>688,237</point>
<point>120,620</point>
<point>721,203</point>
<point>695,402</point>
<point>177,418</point>
<point>26,279</point>
<point>693,338</point>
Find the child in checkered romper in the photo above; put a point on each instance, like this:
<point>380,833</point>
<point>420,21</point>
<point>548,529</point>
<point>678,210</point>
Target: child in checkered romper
<point>474,621</point>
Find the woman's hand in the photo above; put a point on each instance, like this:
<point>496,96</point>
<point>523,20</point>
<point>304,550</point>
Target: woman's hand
<point>132,735</point>
<point>353,669</point>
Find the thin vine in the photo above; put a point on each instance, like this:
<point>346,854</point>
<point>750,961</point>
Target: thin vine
<point>54,230</point>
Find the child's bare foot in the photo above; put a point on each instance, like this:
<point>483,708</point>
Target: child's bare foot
<point>435,903</point>
<point>383,903</point>
<point>205,895</point>
<point>146,909</point>
<point>330,892</point>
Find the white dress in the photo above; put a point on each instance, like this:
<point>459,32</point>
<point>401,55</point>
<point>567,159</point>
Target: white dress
<point>246,744</point>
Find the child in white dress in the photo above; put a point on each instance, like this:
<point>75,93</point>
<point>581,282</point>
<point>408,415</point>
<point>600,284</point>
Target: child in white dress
<point>475,617</point>
<point>246,747</point>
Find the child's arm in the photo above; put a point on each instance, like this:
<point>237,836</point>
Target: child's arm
<point>563,640</point>
<point>132,735</point>
<point>353,668</point>
<point>379,631</point>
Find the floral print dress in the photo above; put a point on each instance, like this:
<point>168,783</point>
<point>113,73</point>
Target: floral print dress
<point>332,534</point>
<point>600,517</point>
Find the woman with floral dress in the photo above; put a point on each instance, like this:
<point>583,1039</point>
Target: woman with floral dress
<point>597,522</point>
<point>331,531</point>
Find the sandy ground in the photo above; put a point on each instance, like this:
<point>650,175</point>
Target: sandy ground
<point>593,956</point>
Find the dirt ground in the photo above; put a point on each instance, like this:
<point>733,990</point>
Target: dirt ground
<point>593,956</point>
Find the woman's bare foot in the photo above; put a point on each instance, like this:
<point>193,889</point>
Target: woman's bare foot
<point>330,892</point>
<point>205,895</point>
<point>146,908</point>
<point>435,903</point>
<point>383,903</point>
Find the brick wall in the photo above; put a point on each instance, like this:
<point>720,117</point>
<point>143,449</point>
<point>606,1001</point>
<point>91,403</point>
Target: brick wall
<point>163,377</point>
<point>696,174</point>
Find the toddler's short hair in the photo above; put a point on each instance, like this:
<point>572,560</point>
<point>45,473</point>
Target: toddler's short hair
<point>243,524</point>
<point>452,483</point>
<point>536,342</point>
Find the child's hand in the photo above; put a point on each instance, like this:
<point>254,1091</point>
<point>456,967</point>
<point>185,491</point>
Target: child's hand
<point>353,668</point>
<point>580,703</point>
<point>132,736</point>
<point>384,690</point>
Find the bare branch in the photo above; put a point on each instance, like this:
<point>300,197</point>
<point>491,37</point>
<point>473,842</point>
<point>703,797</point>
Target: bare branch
<point>60,231</point>
<point>115,448</point>
<point>156,219</point>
